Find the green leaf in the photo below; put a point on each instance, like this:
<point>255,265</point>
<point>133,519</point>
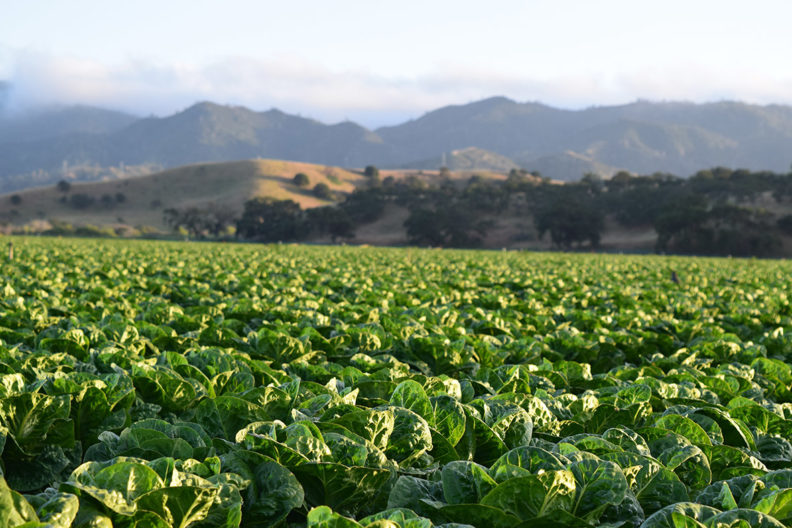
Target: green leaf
<point>774,450</point>
<point>30,417</point>
<point>727,462</point>
<point>374,426</point>
<point>685,427</point>
<point>14,509</point>
<point>226,512</point>
<point>718,496</point>
<point>414,493</point>
<point>33,473</point>
<point>442,451</point>
<point>681,515</point>
<point>272,491</point>
<point>524,460</point>
<point>534,496</point>
<point>58,510</point>
<point>627,439</point>
<point>478,515</point>
<point>411,395</point>
<point>91,516</point>
<point>735,432</point>
<point>179,506</point>
<point>324,517</point>
<point>686,460</point>
<point>656,487</point>
<point>777,504</point>
<point>411,436</point>
<point>598,484</point>
<point>400,516</point>
<point>742,489</point>
<point>743,517</point>
<point>164,387</point>
<point>345,489</point>
<point>465,482</point>
<point>115,485</point>
<point>480,442</point>
<point>449,418</point>
<point>129,478</point>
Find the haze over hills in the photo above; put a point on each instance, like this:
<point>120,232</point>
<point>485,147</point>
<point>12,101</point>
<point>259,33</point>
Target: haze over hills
<point>495,133</point>
<point>60,121</point>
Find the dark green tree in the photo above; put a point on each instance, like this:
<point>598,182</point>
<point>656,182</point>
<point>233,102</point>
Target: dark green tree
<point>82,201</point>
<point>571,219</point>
<point>447,225</point>
<point>785,224</point>
<point>365,205</point>
<point>271,220</point>
<point>684,220</point>
<point>301,180</point>
<point>330,220</point>
<point>208,221</point>
<point>372,173</point>
<point>322,190</point>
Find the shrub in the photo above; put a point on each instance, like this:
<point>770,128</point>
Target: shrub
<point>270,220</point>
<point>301,180</point>
<point>82,201</point>
<point>785,224</point>
<point>322,190</point>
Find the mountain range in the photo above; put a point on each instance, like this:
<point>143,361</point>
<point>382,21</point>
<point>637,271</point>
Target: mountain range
<point>496,133</point>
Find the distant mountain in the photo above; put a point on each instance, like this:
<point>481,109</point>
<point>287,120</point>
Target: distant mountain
<point>203,132</point>
<point>467,159</point>
<point>495,133</point>
<point>59,121</point>
<point>643,137</point>
<point>208,131</point>
<point>497,124</point>
<point>570,166</point>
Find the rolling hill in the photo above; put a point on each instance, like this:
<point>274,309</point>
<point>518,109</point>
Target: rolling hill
<point>495,133</point>
<point>223,185</point>
<point>467,159</point>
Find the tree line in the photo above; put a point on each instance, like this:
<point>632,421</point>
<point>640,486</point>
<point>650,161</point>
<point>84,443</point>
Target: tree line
<point>712,212</point>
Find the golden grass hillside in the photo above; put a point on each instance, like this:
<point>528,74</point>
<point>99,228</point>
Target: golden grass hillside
<point>227,185</point>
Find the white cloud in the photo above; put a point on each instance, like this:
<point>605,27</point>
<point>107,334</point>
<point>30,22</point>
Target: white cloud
<point>298,86</point>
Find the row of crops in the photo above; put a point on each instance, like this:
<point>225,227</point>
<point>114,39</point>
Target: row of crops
<point>174,385</point>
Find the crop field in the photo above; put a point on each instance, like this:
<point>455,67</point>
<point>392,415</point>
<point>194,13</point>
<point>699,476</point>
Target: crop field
<point>164,385</point>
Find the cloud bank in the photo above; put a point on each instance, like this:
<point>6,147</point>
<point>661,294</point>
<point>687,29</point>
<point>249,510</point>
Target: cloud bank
<point>298,86</point>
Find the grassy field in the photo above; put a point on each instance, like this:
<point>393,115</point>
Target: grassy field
<point>197,384</point>
<point>223,184</point>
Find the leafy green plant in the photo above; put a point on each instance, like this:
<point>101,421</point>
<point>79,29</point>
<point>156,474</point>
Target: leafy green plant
<point>151,384</point>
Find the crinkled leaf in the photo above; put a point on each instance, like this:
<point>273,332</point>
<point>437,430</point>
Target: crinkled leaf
<point>465,482</point>
<point>534,496</point>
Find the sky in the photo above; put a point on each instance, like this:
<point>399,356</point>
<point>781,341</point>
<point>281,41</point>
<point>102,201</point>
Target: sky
<point>381,63</point>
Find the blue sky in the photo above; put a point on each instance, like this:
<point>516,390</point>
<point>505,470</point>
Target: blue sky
<point>382,62</point>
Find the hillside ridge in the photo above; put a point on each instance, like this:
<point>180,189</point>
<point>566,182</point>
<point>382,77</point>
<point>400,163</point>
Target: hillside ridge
<point>641,137</point>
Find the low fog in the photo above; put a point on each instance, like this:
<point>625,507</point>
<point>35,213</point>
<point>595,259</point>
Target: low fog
<point>312,90</point>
